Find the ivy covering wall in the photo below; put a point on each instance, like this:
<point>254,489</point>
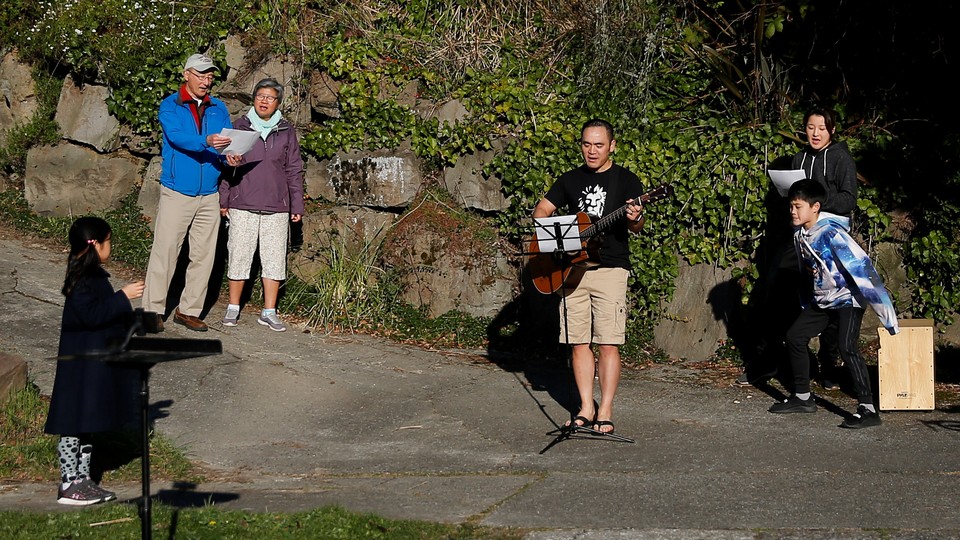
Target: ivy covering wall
<point>687,110</point>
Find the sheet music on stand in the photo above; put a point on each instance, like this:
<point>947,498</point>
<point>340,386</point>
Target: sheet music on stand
<point>557,233</point>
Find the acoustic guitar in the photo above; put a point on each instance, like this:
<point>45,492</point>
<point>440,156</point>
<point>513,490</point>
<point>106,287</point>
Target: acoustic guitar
<point>556,269</point>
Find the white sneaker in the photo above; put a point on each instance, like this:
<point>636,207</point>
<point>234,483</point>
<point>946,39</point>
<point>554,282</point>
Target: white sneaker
<point>273,322</point>
<point>230,319</point>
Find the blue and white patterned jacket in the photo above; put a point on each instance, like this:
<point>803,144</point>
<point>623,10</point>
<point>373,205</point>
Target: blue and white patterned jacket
<point>843,275</point>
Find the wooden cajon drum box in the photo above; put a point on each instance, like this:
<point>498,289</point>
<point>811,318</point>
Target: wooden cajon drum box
<point>906,366</point>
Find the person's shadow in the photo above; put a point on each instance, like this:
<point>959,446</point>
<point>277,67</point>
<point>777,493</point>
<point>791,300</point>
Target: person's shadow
<point>116,448</point>
<point>523,339</point>
<point>758,329</point>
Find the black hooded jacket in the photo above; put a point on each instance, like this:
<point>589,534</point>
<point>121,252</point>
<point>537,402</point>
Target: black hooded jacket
<point>833,167</point>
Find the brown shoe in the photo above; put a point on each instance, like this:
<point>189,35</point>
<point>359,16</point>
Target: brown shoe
<point>191,322</point>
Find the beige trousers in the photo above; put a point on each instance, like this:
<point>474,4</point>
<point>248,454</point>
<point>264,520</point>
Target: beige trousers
<point>597,308</point>
<point>178,216</point>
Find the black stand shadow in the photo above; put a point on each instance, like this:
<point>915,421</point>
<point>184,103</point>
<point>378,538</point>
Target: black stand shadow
<point>573,431</point>
<point>185,495</point>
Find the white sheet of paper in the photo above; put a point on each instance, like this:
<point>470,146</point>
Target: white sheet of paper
<point>547,237</point>
<point>782,180</point>
<point>242,141</point>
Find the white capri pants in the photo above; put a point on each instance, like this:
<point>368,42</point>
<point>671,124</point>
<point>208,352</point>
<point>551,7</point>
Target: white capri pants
<point>246,230</point>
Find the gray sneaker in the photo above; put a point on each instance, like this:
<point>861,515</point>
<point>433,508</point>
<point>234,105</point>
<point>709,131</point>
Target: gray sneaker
<point>231,318</point>
<point>81,493</point>
<point>107,495</point>
<point>273,322</point>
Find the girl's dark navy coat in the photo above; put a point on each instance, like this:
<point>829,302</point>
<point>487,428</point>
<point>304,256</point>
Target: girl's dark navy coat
<point>90,396</point>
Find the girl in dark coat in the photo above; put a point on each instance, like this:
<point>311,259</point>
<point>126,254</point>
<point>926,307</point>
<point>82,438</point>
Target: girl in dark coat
<point>89,396</point>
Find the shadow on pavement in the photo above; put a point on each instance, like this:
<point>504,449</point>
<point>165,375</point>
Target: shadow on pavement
<point>185,495</point>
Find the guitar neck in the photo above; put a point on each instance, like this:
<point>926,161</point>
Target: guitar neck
<point>610,219</point>
<point>605,222</point>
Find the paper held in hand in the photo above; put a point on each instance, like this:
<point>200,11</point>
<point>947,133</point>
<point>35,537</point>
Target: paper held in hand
<point>782,180</point>
<point>558,233</point>
<point>241,141</point>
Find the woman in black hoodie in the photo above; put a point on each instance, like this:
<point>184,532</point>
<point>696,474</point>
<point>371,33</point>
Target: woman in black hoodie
<point>829,162</point>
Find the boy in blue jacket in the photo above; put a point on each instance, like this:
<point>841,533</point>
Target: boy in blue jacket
<point>844,280</point>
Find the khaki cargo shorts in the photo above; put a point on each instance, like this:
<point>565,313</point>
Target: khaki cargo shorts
<point>597,308</point>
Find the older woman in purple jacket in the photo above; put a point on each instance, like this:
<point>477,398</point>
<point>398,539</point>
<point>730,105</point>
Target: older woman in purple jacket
<point>260,197</point>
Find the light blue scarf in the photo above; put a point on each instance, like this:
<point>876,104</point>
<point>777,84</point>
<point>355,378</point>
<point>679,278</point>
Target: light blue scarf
<point>261,125</point>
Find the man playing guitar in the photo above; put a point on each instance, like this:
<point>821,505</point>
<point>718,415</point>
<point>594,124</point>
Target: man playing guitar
<point>596,308</point>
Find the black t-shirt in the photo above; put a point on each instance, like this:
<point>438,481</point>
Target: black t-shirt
<point>598,194</point>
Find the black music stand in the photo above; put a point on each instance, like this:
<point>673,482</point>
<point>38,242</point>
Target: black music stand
<point>143,353</point>
<point>559,236</point>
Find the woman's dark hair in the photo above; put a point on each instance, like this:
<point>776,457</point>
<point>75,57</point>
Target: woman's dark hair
<point>83,256</point>
<point>269,83</point>
<point>829,119</point>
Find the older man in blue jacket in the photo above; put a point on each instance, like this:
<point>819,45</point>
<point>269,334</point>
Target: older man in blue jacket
<point>191,120</point>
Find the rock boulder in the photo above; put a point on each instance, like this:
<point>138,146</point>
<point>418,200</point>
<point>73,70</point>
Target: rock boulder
<point>71,180</point>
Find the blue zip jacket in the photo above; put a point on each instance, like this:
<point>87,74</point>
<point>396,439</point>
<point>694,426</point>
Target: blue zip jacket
<point>190,166</point>
<point>843,275</point>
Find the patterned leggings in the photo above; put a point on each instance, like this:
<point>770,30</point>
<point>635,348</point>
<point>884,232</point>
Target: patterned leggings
<point>247,230</point>
<point>74,458</point>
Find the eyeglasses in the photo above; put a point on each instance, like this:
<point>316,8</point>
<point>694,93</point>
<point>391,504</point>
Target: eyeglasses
<point>208,77</point>
<point>264,98</point>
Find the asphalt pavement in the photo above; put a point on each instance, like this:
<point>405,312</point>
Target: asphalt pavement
<point>298,420</point>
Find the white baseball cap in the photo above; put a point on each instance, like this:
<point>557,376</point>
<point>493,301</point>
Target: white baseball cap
<point>200,63</point>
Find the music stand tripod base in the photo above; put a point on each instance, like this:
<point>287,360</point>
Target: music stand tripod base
<point>568,431</point>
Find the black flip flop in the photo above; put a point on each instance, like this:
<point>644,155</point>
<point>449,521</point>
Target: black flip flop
<point>573,423</point>
<point>600,423</point>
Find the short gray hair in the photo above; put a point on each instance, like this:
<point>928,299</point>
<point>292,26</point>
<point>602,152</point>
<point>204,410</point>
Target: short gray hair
<point>268,83</point>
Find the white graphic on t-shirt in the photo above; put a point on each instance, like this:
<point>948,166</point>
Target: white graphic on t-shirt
<point>592,200</point>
